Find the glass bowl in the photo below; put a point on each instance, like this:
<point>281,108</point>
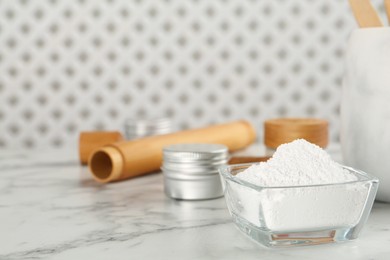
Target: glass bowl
<point>299,215</point>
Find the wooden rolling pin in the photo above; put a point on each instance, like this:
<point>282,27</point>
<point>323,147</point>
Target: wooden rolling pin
<point>125,160</point>
<point>90,141</point>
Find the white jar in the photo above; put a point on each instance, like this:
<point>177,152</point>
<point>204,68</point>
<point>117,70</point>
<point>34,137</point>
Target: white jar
<point>365,107</point>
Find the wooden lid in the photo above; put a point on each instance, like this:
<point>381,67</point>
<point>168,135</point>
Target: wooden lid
<point>90,141</point>
<point>285,130</point>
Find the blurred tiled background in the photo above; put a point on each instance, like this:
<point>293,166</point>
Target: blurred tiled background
<point>74,65</point>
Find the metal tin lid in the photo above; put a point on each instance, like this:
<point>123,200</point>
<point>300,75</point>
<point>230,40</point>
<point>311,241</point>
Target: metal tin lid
<point>193,169</point>
<point>190,152</point>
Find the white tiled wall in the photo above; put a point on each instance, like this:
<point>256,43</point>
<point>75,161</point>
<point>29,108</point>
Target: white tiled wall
<point>71,65</point>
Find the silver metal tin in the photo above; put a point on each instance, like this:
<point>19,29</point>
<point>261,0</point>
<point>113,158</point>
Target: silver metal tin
<point>142,127</point>
<point>209,187</point>
<point>187,177</point>
<point>191,170</point>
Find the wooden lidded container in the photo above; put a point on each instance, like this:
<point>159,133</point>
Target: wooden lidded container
<point>285,130</point>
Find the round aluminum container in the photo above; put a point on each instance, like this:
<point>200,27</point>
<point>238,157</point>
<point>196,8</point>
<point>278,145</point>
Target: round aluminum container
<point>141,127</point>
<point>209,187</point>
<point>191,170</point>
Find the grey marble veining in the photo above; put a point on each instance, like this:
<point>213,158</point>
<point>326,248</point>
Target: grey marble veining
<point>51,208</point>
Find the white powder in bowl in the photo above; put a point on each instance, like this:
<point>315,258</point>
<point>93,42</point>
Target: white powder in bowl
<point>297,163</point>
<point>300,208</point>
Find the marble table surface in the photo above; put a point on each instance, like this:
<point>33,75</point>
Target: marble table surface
<point>50,208</point>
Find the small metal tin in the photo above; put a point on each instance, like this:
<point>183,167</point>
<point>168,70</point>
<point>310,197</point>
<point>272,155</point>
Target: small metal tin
<point>142,127</point>
<point>209,187</point>
<point>191,170</point>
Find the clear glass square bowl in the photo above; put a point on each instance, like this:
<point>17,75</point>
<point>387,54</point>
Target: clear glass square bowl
<point>299,215</point>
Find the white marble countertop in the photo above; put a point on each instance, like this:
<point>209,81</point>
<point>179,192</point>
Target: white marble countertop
<point>51,208</point>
